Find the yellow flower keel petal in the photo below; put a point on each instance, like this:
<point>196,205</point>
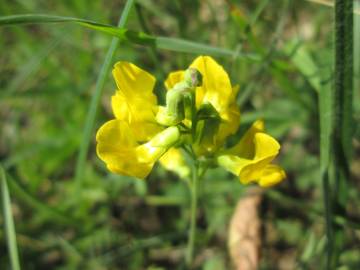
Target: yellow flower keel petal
<point>271,176</point>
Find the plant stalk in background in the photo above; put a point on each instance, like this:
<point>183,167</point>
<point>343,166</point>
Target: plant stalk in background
<point>336,112</point>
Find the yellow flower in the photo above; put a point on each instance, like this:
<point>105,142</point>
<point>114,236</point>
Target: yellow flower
<point>251,158</point>
<point>131,143</point>
<point>216,90</point>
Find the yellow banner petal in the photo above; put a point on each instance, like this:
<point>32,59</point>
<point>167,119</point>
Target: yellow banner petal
<point>134,101</point>
<point>216,88</point>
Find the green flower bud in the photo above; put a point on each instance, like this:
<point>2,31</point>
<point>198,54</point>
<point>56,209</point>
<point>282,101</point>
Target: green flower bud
<point>180,100</point>
<point>193,77</point>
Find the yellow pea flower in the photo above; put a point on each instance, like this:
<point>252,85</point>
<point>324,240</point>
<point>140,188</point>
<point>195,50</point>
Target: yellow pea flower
<point>134,141</point>
<point>251,157</point>
<point>144,132</point>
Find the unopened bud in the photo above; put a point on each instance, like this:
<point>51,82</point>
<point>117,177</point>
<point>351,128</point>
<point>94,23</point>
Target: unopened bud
<point>193,77</point>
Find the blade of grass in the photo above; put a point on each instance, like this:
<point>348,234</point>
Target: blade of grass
<point>259,9</point>
<point>186,46</point>
<point>302,59</point>
<point>357,58</point>
<point>267,55</point>
<point>326,126</point>
<point>120,32</point>
<point>94,104</point>
<point>9,223</point>
<point>134,37</point>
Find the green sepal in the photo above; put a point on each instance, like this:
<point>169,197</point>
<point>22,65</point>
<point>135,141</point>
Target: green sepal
<point>207,125</point>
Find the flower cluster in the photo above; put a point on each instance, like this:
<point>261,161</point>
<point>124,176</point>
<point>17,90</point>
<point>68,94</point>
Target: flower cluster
<point>199,116</point>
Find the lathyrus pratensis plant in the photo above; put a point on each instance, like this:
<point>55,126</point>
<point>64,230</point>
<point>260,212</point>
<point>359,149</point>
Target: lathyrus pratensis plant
<point>200,114</point>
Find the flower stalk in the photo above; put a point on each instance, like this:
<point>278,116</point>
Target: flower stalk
<point>198,172</point>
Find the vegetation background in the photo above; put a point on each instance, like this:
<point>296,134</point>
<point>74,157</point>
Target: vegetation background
<point>281,53</point>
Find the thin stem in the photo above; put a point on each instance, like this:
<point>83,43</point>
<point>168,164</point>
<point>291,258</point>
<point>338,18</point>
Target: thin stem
<point>193,210</point>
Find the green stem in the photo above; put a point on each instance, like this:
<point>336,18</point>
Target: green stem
<point>328,219</point>
<point>336,186</point>
<point>193,185</point>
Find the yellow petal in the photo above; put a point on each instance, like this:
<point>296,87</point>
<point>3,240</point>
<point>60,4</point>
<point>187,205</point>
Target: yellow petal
<point>265,146</point>
<point>173,160</point>
<point>216,88</point>
<point>229,125</point>
<point>173,78</point>
<point>230,121</point>
<point>266,149</point>
<point>134,102</point>
<point>246,147</point>
<point>116,133</point>
<point>132,80</point>
<point>272,175</point>
<point>116,146</point>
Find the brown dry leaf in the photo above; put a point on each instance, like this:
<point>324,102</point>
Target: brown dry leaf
<point>244,237</point>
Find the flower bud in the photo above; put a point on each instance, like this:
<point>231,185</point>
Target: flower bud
<point>180,100</point>
<point>193,77</point>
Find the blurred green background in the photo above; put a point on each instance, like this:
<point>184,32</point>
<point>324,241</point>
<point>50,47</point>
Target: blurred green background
<point>47,79</point>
